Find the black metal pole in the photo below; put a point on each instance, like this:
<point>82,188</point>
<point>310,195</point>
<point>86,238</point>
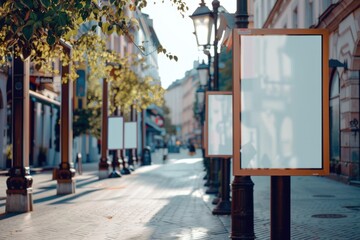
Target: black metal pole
<point>208,160</point>
<point>242,206</point>
<point>214,185</point>
<point>280,207</point>
<point>224,205</point>
<point>216,5</point>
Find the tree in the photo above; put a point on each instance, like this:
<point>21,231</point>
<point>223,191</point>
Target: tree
<point>226,70</point>
<point>34,28</point>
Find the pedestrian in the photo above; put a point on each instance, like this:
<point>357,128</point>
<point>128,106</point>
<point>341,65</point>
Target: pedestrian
<point>165,151</point>
<point>191,149</point>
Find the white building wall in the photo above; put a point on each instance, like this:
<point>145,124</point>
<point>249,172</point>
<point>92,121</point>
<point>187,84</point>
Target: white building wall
<point>173,101</point>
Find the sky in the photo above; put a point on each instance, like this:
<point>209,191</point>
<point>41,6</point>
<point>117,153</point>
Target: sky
<point>175,33</point>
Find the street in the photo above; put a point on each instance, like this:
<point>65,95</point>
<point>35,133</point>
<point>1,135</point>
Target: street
<point>166,200</point>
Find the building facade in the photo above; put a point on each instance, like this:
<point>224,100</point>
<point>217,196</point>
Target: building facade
<point>172,98</point>
<point>341,18</point>
<point>180,99</point>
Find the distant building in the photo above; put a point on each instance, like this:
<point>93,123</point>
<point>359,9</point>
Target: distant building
<point>172,95</point>
<point>180,99</point>
<point>152,119</point>
<point>341,18</point>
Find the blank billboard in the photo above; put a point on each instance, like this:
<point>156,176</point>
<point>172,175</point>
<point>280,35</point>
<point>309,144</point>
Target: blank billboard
<point>281,101</point>
<point>115,133</point>
<point>130,135</point>
<point>219,133</point>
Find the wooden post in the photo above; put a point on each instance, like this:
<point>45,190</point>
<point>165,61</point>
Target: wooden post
<point>19,183</point>
<point>103,164</point>
<point>65,181</point>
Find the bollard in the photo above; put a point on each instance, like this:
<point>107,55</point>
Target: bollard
<point>78,162</point>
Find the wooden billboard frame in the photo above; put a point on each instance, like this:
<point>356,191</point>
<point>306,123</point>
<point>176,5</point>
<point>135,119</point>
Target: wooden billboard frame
<point>237,170</point>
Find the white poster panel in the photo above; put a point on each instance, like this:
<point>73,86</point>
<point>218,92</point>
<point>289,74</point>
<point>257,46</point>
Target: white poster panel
<point>130,135</point>
<point>115,133</point>
<point>281,102</point>
<point>220,127</point>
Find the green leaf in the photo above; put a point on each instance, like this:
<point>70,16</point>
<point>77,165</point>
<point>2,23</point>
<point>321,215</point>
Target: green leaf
<point>28,31</point>
<point>28,3</point>
<point>63,18</point>
<point>50,39</point>
<point>33,16</point>
<point>19,5</point>
<point>47,19</point>
<point>45,3</point>
<point>26,51</point>
<point>78,5</point>
<point>93,28</point>
<point>84,15</point>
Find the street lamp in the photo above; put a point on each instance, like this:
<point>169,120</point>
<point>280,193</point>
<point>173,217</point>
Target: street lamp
<point>200,94</point>
<point>203,19</point>
<point>203,71</point>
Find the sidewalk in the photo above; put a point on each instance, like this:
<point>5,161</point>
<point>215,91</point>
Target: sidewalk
<point>160,201</point>
<point>166,200</point>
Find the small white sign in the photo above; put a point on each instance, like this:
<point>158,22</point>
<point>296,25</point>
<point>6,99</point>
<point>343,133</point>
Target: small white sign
<point>130,135</point>
<point>115,133</point>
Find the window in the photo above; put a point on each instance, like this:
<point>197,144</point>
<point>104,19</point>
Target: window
<point>295,18</point>
<point>309,13</point>
<point>80,103</point>
<point>334,119</point>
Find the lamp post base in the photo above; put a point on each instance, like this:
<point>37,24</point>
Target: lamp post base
<point>125,171</point>
<point>216,200</point>
<point>103,173</point>
<point>103,169</point>
<point>222,208</point>
<point>242,212</point>
<point>212,190</point>
<point>19,202</point>
<point>114,174</point>
<point>65,186</point>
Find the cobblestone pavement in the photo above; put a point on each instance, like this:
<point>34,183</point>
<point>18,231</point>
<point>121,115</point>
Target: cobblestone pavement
<point>167,201</point>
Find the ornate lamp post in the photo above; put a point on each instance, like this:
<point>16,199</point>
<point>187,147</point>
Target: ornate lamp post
<point>203,70</point>
<point>242,209</point>
<point>204,20</point>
